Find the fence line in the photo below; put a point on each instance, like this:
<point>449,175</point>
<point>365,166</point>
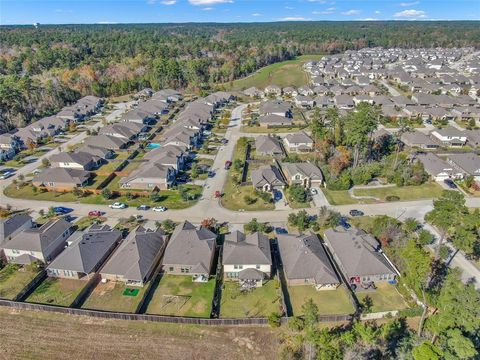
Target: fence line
<point>154,318</point>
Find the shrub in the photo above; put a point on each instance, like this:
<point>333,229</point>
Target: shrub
<point>274,320</point>
<point>107,194</point>
<point>298,193</point>
<point>392,198</point>
<point>249,200</point>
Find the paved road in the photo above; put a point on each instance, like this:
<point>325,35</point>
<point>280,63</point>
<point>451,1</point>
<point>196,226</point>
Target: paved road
<point>209,206</point>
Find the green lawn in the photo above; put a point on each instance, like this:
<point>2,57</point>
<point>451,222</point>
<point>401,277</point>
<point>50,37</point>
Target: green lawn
<point>179,295</point>
<point>425,191</point>
<point>259,302</point>
<point>285,73</point>
<point>330,302</point>
<point>338,197</point>
<point>273,130</point>
<point>54,291</point>
<point>384,298</point>
<point>169,198</point>
<point>110,297</point>
<point>234,197</point>
<point>13,278</point>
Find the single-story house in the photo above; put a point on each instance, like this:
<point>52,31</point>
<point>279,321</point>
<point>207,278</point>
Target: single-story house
<point>75,160</point>
<point>267,178</point>
<point>438,169</point>
<point>266,145</point>
<point>59,179</point>
<point>468,164</point>
<point>150,176</point>
<point>298,142</point>
<point>450,136</point>
<point>417,139</point>
<point>273,120</point>
<point>107,141</point>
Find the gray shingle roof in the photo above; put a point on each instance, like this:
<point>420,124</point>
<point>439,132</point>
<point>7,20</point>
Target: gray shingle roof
<point>303,257</point>
<point>306,169</point>
<point>10,225</point>
<point>267,175</point>
<point>241,249</point>
<point>62,175</point>
<point>268,145</point>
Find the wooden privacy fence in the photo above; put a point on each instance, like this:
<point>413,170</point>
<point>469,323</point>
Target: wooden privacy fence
<point>154,318</point>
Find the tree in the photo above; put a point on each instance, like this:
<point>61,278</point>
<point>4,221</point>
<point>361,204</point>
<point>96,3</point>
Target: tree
<point>168,225</point>
<point>209,223</point>
<point>255,226</point>
<point>107,194</point>
<point>427,351</point>
<point>274,319</point>
<point>300,220</point>
<point>45,162</point>
<point>194,171</point>
<point>298,193</point>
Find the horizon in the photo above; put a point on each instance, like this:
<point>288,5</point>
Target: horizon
<point>76,12</point>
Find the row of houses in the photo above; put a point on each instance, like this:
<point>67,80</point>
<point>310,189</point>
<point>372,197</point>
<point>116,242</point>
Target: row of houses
<point>49,126</point>
<point>445,137</point>
<point>452,166</point>
<point>190,251</point>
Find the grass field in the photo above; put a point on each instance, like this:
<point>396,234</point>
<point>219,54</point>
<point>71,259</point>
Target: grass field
<point>57,291</point>
<point>385,298</point>
<point>179,295</point>
<point>259,302</point>
<point>338,197</point>
<point>285,73</point>
<point>234,198</point>
<point>424,191</point>
<point>35,335</point>
<point>13,278</point>
<point>330,302</point>
<point>109,297</point>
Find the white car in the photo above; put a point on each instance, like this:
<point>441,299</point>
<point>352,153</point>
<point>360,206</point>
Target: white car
<point>117,205</point>
<point>160,208</point>
<point>313,191</point>
<point>6,175</point>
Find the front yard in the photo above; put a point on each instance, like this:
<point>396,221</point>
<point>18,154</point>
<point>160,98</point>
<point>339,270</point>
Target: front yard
<point>111,296</point>
<point>404,193</point>
<point>259,302</point>
<point>329,302</point>
<point>235,195</point>
<point>13,278</point>
<point>178,295</point>
<point>384,298</point>
<point>54,291</point>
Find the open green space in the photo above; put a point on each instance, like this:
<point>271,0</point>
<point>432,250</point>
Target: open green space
<point>425,191</point>
<point>179,295</point>
<point>110,297</point>
<point>13,278</point>
<point>55,291</point>
<point>234,197</point>
<point>259,302</point>
<point>384,298</point>
<point>285,73</point>
<point>338,197</point>
<point>330,302</point>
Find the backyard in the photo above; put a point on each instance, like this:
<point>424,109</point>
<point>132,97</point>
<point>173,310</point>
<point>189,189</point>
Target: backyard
<point>330,302</point>
<point>55,291</point>
<point>112,296</point>
<point>179,295</point>
<point>13,278</point>
<point>259,302</point>
<point>384,298</point>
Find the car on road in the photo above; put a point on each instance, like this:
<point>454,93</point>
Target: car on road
<point>277,195</point>
<point>280,230</point>
<point>60,210</point>
<point>228,164</point>
<point>224,141</point>
<point>117,205</point>
<point>343,222</point>
<point>159,209</point>
<point>94,213</point>
<point>211,174</point>
<point>450,183</point>
<point>6,175</point>
<point>313,191</point>
<point>143,207</point>
<point>356,212</point>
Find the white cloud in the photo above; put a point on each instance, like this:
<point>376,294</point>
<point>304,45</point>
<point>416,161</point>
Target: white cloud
<point>351,12</point>
<point>168,2</point>
<point>62,11</point>
<point>209,2</point>
<point>405,4</point>
<point>289,8</point>
<point>318,1</point>
<point>207,9</point>
<point>367,19</point>
<point>377,12</point>
<point>411,14</point>
<point>294,18</point>
<point>256,14</point>
<point>107,22</point>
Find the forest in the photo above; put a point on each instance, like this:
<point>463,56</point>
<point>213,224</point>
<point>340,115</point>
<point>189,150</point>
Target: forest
<point>45,68</point>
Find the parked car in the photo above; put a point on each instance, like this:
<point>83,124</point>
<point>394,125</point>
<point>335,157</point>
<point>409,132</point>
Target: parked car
<point>228,164</point>
<point>277,195</point>
<point>117,205</point>
<point>6,175</point>
<point>279,230</point>
<point>224,141</point>
<point>143,207</point>
<point>343,222</point>
<point>211,174</point>
<point>60,210</point>
<point>313,191</point>
<point>160,208</point>
<point>355,212</point>
<point>450,183</point>
<point>95,213</point>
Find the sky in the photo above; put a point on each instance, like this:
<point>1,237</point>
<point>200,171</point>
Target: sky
<point>167,11</point>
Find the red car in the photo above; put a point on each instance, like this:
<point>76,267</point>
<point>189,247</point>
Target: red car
<point>95,213</point>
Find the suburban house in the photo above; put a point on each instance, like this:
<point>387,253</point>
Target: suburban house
<point>254,92</point>
<point>40,244</point>
<point>123,130</point>
<point>144,114</point>
<point>304,101</point>
<point>359,256</point>
<point>135,260</point>
<point>107,141</point>
<point>150,176</point>
<point>298,142</point>
<point>276,107</point>
<point>170,155</point>
<point>468,164</point>
<point>97,151</point>
<point>266,145</point>
<point>273,90</point>
<point>303,173</point>
<point>450,136</point>
<point>75,160</point>
<point>9,145</point>
<point>305,262</point>
<point>247,258</point>
<point>267,178</point>
<point>273,120</point>
<point>60,179</point>
<point>438,169</point>
<point>417,139</point>
<point>85,253</point>
<point>11,226</point>
<point>190,251</point>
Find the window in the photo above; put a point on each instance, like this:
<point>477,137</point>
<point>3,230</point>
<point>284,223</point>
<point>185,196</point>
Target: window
<point>257,267</point>
<point>170,268</point>
<point>238,267</point>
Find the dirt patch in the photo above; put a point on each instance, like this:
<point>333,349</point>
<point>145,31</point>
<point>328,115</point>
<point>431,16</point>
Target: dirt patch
<point>34,335</point>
